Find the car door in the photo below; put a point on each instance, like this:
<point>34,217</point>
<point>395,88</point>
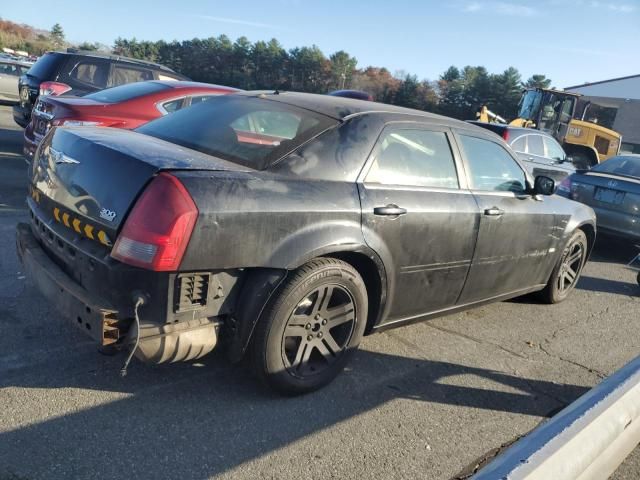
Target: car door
<point>417,212</point>
<point>9,75</point>
<point>517,229</point>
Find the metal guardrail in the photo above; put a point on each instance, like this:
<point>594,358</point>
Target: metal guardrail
<point>589,439</point>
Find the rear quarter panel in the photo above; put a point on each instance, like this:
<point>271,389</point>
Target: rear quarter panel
<point>264,220</point>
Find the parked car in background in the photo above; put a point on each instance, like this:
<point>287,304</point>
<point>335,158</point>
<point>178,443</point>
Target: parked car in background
<point>612,189</point>
<point>127,106</point>
<point>357,94</point>
<point>79,73</point>
<point>539,152</point>
<point>10,72</point>
<point>288,225</point>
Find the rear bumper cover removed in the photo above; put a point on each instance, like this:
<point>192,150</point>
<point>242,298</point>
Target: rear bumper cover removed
<point>94,315</point>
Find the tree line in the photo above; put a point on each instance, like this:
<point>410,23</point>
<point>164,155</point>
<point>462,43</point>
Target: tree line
<point>458,92</point>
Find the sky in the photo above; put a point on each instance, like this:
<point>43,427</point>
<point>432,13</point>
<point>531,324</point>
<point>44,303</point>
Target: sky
<point>570,41</point>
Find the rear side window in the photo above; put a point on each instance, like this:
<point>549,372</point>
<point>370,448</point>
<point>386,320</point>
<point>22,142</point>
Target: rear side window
<point>251,131</point>
<point>90,72</point>
<point>127,92</point>
<point>413,157</point>
<point>201,98</point>
<point>46,66</point>
<point>520,144</point>
<point>491,168</point>
<point>172,105</point>
<point>534,145</point>
<point>123,74</point>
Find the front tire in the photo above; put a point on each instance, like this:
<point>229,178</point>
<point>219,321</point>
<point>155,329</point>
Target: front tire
<point>311,328</point>
<point>567,271</point>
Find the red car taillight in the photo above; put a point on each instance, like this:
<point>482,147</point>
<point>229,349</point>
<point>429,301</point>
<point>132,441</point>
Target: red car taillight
<point>158,229</point>
<point>53,88</point>
<point>505,135</point>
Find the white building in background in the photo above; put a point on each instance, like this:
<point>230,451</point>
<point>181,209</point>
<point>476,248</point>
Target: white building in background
<point>617,103</point>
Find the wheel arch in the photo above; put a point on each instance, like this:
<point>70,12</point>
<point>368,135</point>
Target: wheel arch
<point>373,273</point>
<point>590,231</point>
<point>590,152</point>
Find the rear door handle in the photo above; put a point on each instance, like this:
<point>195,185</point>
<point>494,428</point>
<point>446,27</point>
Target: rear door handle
<point>494,212</point>
<point>389,210</point>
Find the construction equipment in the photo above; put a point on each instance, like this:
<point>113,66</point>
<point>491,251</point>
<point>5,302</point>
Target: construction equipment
<point>554,112</point>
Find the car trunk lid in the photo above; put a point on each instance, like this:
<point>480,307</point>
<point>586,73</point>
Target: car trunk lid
<point>94,174</point>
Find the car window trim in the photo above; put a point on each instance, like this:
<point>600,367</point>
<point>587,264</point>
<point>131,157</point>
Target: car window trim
<point>413,125</point>
<point>470,133</point>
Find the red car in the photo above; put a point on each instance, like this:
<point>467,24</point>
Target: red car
<point>127,106</point>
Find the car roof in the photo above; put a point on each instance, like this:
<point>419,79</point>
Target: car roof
<point>115,58</point>
<point>518,131</point>
<point>178,84</point>
<point>340,108</point>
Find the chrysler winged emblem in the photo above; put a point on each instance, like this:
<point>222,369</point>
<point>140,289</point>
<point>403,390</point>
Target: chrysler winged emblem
<point>612,183</point>
<point>58,157</point>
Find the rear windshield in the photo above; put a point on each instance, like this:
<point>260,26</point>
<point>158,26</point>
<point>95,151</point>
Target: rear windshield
<point>127,92</point>
<point>625,166</point>
<point>46,66</point>
<point>251,131</point>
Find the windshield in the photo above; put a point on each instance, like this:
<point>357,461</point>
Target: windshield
<point>127,92</point>
<point>529,104</point>
<point>625,166</point>
<point>251,131</point>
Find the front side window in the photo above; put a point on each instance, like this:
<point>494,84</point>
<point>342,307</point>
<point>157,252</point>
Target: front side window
<point>90,72</point>
<point>249,130</point>
<point>553,150</point>
<point>9,69</point>
<point>491,168</point>
<point>414,157</point>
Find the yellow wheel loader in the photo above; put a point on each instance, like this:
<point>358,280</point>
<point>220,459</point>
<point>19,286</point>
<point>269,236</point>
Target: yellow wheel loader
<point>554,112</point>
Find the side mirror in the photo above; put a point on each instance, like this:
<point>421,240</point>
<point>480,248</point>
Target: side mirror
<point>544,185</point>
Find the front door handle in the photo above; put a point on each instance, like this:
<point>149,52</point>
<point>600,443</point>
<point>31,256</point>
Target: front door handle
<point>391,209</point>
<point>494,212</point>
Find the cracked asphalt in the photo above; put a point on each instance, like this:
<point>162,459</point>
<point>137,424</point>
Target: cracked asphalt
<point>423,401</point>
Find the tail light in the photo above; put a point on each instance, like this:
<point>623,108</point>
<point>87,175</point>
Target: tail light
<point>53,88</point>
<point>158,229</point>
<point>505,135</point>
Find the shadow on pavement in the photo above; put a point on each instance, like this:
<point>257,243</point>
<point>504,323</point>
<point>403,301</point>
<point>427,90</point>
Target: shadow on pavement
<point>608,286</point>
<point>614,249</point>
<point>176,419</point>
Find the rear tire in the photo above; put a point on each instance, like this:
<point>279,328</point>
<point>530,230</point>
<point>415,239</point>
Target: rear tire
<point>567,271</point>
<point>311,328</point>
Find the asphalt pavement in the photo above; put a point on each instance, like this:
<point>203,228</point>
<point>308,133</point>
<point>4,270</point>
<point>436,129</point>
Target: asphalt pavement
<point>424,401</point>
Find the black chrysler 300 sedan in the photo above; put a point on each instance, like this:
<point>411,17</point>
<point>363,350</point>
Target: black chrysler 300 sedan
<point>286,226</point>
